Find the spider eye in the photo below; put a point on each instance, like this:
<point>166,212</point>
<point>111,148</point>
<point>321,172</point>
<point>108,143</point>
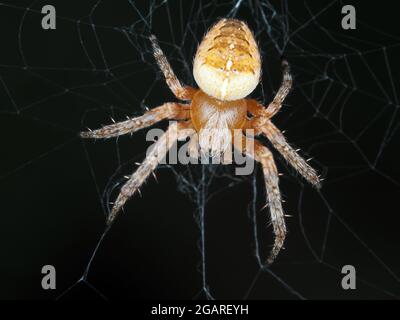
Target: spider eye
<point>218,71</point>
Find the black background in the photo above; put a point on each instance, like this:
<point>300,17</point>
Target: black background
<point>53,85</point>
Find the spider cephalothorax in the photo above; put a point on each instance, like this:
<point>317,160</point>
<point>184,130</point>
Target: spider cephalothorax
<point>227,68</point>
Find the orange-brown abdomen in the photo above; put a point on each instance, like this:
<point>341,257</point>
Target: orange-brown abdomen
<point>227,64</point>
<point>231,39</point>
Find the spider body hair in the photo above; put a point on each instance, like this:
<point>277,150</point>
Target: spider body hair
<point>227,68</point>
<point>215,121</point>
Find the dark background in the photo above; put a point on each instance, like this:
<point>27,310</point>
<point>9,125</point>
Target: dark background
<point>98,63</point>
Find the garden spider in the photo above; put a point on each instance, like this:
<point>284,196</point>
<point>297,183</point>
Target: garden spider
<point>227,68</point>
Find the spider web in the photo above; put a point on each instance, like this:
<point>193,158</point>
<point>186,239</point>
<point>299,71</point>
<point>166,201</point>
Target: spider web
<point>210,239</point>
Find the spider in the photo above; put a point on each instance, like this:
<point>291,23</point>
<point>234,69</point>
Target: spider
<point>227,68</point>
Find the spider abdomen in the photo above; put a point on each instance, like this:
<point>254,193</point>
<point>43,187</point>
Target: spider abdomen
<point>227,65</point>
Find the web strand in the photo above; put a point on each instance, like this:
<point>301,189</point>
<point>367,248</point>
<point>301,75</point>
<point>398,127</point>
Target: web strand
<point>114,75</point>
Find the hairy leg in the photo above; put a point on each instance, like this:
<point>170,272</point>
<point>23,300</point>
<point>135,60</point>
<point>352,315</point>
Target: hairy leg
<point>168,110</point>
<point>181,92</point>
<point>193,147</point>
<point>262,155</point>
<point>278,140</point>
<point>259,110</point>
<point>176,131</point>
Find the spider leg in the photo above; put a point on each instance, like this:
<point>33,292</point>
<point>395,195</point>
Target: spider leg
<point>283,91</point>
<point>181,92</point>
<point>176,131</point>
<point>193,147</point>
<point>264,156</point>
<point>278,140</point>
<point>261,123</point>
<point>276,104</point>
<point>168,110</point>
